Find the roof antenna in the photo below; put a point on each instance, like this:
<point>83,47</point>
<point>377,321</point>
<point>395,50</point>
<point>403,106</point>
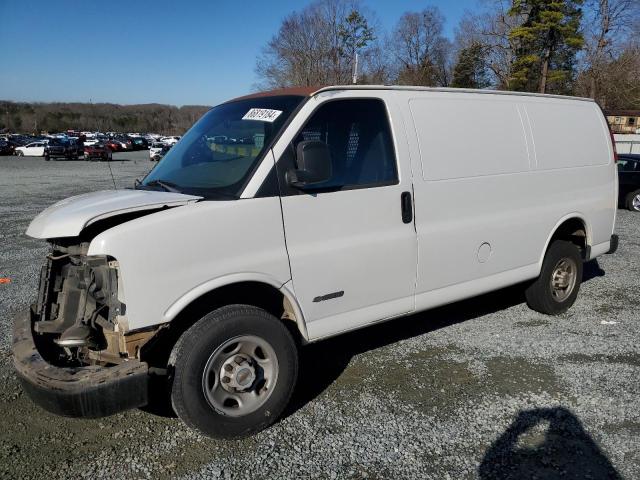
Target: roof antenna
<point>111,172</point>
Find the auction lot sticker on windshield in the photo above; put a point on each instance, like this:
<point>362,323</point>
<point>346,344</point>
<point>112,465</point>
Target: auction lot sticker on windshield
<point>262,115</point>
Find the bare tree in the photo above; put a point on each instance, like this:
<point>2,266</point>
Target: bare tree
<point>377,61</point>
<point>617,82</point>
<point>420,49</point>
<point>608,24</point>
<point>316,45</point>
<point>490,28</point>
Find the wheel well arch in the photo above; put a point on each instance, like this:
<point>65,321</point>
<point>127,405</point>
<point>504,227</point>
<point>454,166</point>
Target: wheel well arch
<point>572,228</point>
<point>280,302</point>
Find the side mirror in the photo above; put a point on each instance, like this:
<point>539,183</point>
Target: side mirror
<point>314,165</point>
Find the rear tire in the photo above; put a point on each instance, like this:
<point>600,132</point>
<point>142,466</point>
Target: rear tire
<point>556,289</point>
<point>633,201</point>
<point>47,158</point>
<point>213,358</point>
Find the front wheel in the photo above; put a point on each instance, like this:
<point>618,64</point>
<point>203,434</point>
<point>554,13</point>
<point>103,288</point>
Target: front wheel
<point>633,201</point>
<point>20,154</point>
<point>556,289</point>
<point>234,372</point>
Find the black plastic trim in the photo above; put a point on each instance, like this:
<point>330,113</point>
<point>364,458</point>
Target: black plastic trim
<point>407,207</point>
<point>91,391</point>
<point>613,244</point>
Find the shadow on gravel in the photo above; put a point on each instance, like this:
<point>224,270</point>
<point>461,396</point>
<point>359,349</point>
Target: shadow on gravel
<point>322,363</point>
<point>591,270</point>
<point>546,443</point>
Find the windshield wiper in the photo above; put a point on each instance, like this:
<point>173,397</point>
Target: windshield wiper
<point>166,185</point>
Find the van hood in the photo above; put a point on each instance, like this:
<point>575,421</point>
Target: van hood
<point>70,216</point>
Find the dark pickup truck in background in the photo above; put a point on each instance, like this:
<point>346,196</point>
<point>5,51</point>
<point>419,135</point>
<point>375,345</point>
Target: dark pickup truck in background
<point>68,148</point>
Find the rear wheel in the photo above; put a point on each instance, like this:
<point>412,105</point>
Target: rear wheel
<point>556,289</point>
<point>633,201</point>
<point>233,372</point>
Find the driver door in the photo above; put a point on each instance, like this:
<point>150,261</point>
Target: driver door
<point>352,249</point>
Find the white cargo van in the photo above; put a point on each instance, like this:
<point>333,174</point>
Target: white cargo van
<point>287,217</point>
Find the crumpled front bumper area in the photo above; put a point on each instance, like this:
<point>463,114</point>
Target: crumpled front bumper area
<point>90,391</point>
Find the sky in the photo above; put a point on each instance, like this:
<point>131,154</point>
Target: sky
<point>143,51</point>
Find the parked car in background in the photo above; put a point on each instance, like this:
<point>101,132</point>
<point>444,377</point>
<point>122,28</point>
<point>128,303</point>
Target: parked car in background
<point>6,148</point>
<point>125,142</point>
<point>629,178</point>
<point>156,147</point>
<point>68,148</point>
<point>139,143</point>
<point>113,145</point>
<point>33,149</point>
<point>151,138</point>
<point>156,153</point>
<point>171,140</point>
<point>21,140</point>
<point>97,151</point>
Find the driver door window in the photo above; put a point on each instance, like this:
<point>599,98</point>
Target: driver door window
<point>359,138</point>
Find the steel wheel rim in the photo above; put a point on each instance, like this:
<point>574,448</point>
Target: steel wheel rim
<point>635,203</point>
<point>563,279</point>
<point>240,375</point>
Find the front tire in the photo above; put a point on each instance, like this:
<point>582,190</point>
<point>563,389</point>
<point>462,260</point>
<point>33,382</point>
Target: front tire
<point>633,201</point>
<point>234,372</point>
<point>556,289</point>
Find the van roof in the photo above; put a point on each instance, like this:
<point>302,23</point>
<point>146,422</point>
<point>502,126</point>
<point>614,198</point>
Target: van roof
<point>313,90</point>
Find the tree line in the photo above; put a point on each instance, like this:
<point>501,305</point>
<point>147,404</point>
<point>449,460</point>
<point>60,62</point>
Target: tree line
<point>103,117</point>
<point>588,48</point>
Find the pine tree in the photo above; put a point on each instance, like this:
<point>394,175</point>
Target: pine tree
<point>546,43</point>
<point>355,34</point>
<point>470,69</point>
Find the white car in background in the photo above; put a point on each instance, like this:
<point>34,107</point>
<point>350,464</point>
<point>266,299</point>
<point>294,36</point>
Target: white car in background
<point>170,140</point>
<point>33,149</point>
<point>155,150</point>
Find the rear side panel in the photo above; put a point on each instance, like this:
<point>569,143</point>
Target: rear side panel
<point>574,162</point>
<point>499,173</point>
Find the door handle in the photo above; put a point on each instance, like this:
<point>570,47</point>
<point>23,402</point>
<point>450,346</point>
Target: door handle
<point>407,207</point>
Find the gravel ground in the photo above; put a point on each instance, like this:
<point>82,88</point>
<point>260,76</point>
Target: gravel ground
<point>484,388</point>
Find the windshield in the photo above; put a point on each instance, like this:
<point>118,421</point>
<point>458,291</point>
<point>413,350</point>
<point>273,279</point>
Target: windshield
<point>218,154</point>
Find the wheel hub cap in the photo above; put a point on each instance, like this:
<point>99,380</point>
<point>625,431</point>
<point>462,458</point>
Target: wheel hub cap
<point>237,374</point>
<point>240,375</point>
<point>563,279</point>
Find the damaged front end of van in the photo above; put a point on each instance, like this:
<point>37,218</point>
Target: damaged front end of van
<point>72,349</point>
